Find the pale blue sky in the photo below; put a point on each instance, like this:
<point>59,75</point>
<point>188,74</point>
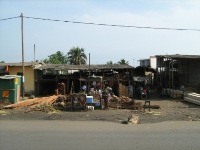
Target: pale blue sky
<point>103,43</point>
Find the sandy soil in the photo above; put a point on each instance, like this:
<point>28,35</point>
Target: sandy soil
<point>170,110</point>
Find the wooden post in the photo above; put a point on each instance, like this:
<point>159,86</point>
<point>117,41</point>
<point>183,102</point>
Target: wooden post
<point>34,52</point>
<point>172,74</point>
<point>23,68</point>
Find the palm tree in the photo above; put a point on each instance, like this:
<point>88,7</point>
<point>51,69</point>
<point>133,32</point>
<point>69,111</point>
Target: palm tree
<point>109,63</point>
<point>123,62</point>
<point>76,56</point>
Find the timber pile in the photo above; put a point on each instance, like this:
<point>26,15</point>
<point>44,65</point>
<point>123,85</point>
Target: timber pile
<point>122,102</point>
<point>34,103</point>
<point>121,99</point>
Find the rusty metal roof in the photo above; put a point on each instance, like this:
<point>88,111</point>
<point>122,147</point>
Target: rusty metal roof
<point>82,67</point>
<point>42,66</point>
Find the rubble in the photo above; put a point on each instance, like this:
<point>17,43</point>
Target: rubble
<point>3,103</point>
<point>2,112</point>
<point>124,102</point>
<point>133,119</point>
<point>44,108</point>
<point>72,102</point>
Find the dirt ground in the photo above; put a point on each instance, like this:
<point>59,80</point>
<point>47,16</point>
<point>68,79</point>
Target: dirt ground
<point>170,110</point>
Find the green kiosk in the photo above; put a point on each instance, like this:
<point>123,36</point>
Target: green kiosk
<point>10,86</point>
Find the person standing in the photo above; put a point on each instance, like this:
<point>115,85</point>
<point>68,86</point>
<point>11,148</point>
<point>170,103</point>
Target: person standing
<point>130,90</point>
<point>84,88</point>
<point>106,95</point>
<point>146,88</point>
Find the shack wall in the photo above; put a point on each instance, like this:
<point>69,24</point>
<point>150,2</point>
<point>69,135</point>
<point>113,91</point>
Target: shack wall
<point>189,73</point>
<point>29,77</point>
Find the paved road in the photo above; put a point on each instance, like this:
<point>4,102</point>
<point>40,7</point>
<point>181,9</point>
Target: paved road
<point>85,135</point>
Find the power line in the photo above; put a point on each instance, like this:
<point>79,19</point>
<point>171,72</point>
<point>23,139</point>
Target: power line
<point>9,18</point>
<point>114,25</point>
<point>103,24</point>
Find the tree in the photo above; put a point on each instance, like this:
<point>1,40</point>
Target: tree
<point>109,63</point>
<point>2,61</point>
<point>77,56</point>
<point>46,61</point>
<point>57,58</point>
<point>123,62</point>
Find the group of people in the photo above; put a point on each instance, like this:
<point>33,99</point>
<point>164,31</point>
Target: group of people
<point>143,92</point>
<point>104,93</point>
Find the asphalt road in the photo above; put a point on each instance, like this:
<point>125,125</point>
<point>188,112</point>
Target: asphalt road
<point>96,135</point>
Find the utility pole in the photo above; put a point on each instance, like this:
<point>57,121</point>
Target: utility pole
<point>34,52</point>
<point>23,69</point>
<point>89,64</point>
<point>89,74</point>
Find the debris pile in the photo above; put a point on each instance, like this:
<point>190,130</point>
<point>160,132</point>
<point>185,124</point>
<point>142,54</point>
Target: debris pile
<point>124,102</point>
<point>44,104</point>
<point>133,119</point>
<point>122,99</point>
<point>44,108</point>
<point>3,103</point>
<point>72,102</point>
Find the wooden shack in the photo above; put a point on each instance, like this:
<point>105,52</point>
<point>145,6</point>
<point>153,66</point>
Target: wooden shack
<point>49,75</point>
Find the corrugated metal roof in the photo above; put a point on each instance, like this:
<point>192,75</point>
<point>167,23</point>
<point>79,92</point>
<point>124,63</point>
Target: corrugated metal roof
<point>20,64</point>
<point>81,67</point>
<point>180,56</point>
<point>9,77</point>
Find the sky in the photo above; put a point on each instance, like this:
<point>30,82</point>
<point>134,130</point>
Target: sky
<point>103,43</point>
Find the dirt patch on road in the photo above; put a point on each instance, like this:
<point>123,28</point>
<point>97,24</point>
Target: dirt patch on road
<point>170,110</point>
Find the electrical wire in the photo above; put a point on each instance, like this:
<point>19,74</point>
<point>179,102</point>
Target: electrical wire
<point>9,18</point>
<point>114,25</point>
<point>103,24</point>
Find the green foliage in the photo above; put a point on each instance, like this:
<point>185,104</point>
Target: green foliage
<point>77,56</point>
<point>57,58</point>
<point>110,63</point>
<point>2,61</point>
<point>123,62</point>
<point>46,61</point>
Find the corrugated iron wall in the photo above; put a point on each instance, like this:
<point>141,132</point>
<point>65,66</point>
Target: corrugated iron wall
<point>189,73</point>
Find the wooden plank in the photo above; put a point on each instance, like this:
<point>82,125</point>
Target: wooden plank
<point>33,102</point>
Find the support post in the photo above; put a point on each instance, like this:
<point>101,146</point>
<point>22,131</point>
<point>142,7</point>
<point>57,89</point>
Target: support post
<point>23,68</point>
<point>172,74</point>
<point>34,52</point>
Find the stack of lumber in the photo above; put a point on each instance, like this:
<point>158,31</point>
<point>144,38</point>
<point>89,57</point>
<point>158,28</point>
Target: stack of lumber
<point>192,98</point>
<point>32,103</point>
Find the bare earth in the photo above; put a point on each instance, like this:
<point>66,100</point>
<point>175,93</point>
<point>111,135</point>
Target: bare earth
<point>170,110</point>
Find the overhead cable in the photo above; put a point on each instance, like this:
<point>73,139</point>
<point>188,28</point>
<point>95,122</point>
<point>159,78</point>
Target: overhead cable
<point>103,24</point>
<point>9,18</point>
<point>115,25</point>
